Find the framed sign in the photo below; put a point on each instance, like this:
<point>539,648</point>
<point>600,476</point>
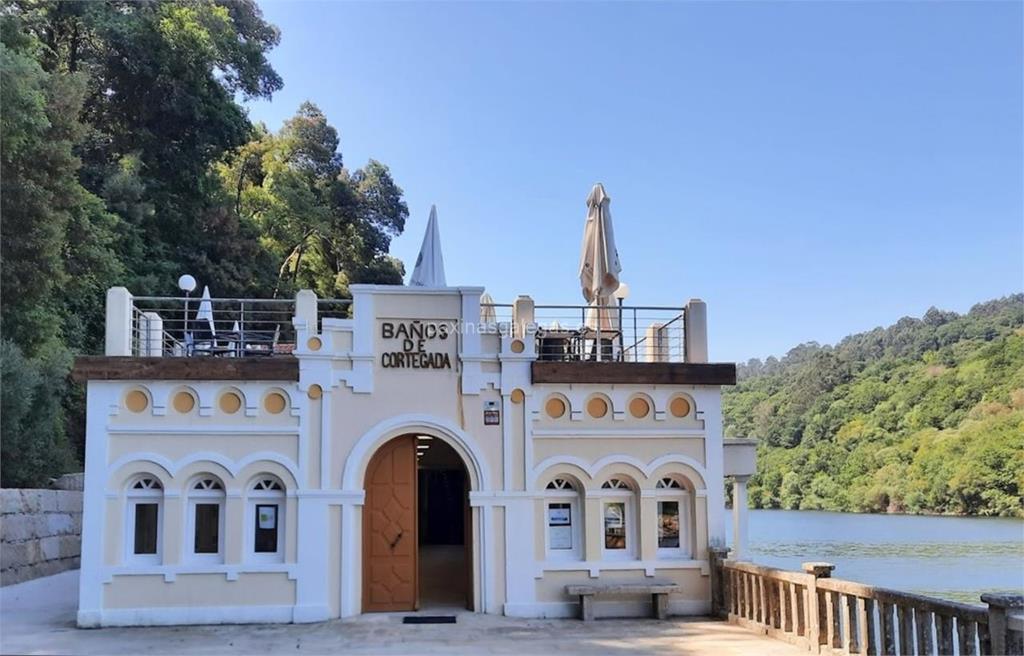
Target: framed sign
<point>267,517</point>
<point>559,526</point>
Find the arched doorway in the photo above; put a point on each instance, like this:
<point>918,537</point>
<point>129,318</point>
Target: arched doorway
<point>416,527</point>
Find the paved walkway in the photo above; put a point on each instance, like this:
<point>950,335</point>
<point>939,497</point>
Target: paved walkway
<point>38,617</point>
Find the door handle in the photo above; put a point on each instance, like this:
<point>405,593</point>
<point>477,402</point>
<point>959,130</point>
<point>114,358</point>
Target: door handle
<point>398,538</point>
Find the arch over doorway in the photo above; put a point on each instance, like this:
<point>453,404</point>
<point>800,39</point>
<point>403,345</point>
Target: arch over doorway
<point>358,475</point>
<point>354,474</point>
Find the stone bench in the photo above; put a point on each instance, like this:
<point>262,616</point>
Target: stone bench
<point>659,591</point>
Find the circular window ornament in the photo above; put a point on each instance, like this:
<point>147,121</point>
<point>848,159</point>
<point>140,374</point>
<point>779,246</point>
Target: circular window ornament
<point>555,407</point>
<point>184,402</point>
<point>315,391</point>
<point>314,343</point>
<point>597,407</point>
<point>518,396</point>
<point>274,403</point>
<point>679,407</point>
<point>639,407</point>
<point>230,403</point>
<point>518,346</point>
<point>136,401</point>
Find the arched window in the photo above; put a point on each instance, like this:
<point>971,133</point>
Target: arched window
<point>266,507</point>
<point>674,516</point>
<point>618,512</point>
<point>206,518</point>
<point>144,519</point>
<point>563,521</point>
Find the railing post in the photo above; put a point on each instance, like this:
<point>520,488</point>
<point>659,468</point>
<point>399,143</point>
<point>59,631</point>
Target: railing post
<point>522,315</point>
<point>695,330</point>
<point>1002,609</point>
<point>720,602</point>
<point>816,616</point>
<point>739,517</point>
<point>119,322</point>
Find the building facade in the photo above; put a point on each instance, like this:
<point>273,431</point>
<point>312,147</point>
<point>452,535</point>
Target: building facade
<point>412,455</point>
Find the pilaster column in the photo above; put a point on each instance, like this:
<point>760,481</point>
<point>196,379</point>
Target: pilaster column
<point>739,517</point>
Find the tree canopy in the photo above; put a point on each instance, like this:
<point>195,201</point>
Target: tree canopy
<point>128,160</point>
<point>926,415</point>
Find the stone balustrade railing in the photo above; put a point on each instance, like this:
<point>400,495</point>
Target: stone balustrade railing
<point>827,615</point>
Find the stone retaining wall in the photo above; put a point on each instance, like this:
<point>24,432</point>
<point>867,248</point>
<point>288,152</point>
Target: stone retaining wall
<point>40,531</point>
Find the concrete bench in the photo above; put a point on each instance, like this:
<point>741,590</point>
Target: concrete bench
<point>659,591</point>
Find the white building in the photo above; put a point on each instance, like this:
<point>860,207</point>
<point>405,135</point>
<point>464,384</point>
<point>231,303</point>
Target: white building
<point>409,457</point>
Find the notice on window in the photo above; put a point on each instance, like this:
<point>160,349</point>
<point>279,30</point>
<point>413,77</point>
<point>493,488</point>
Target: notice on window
<point>268,517</point>
<point>560,526</point>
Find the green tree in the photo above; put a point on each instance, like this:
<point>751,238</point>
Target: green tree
<point>926,415</point>
<point>324,226</point>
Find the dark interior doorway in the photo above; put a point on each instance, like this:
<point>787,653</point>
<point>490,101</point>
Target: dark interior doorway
<point>443,519</point>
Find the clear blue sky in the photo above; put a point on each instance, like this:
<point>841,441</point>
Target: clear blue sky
<point>810,169</point>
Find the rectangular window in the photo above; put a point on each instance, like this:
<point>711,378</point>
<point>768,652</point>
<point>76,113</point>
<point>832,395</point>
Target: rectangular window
<point>615,525</point>
<point>266,528</point>
<point>560,525</point>
<point>668,524</point>
<point>207,539</point>
<point>146,528</point>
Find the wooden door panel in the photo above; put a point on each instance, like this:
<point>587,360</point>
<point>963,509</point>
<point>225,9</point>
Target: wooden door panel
<point>389,528</point>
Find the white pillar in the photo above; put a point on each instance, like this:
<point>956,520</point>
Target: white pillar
<point>522,315</point>
<point>739,517</point>
<point>311,604</point>
<point>695,330</point>
<point>119,322</point>
<point>152,333</point>
<point>305,312</point>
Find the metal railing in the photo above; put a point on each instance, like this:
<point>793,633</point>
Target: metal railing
<point>229,327</point>
<point>233,327</point>
<point>612,333</point>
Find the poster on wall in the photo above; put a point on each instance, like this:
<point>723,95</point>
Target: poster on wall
<point>560,526</point>
<point>268,517</point>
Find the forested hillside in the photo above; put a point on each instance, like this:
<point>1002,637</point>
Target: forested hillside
<point>127,159</point>
<point>925,416</point>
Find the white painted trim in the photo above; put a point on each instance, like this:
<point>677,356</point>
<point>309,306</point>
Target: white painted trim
<point>397,290</point>
<point>233,467</point>
<point>211,428</point>
<point>326,406</point>
<point>616,459</point>
<point>608,608</point>
<point>595,567</point>
<point>371,440</point>
<point>99,396</point>
<point>620,433</point>
<point>170,572</point>
<point>335,497</point>
<point>175,615</point>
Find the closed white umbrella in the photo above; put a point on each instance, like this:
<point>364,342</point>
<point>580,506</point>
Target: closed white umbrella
<point>232,348</point>
<point>206,310</point>
<point>599,262</point>
<point>487,313</point>
<point>429,269</point>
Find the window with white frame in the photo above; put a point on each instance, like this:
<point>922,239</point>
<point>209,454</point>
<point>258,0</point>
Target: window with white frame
<point>618,523</point>
<point>563,522</point>
<point>206,518</point>
<point>143,528</point>
<point>266,505</point>
<point>673,526</point>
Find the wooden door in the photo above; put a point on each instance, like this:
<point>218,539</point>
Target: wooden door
<point>390,553</point>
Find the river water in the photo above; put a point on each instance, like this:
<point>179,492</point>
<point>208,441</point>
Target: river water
<point>954,558</point>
